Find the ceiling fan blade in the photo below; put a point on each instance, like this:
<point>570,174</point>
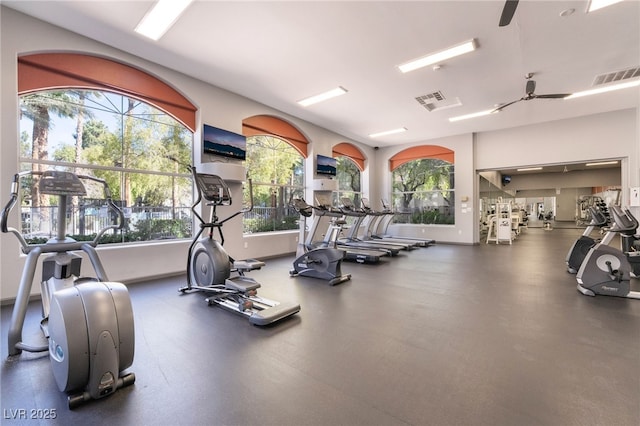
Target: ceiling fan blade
<point>554,96</point>
<point>501,107</point>
<point>507,12</point>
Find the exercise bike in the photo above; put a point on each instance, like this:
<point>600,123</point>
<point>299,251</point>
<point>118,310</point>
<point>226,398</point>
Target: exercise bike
<point>629,239</point>
<point>323,261</point>
<point>88,321</point>
<point>606,270</point>
<point>580,248</point>
<point>209,266</point>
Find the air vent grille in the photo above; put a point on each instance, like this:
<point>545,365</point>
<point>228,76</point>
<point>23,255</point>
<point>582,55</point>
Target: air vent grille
<point>436,100</point>
<point>616,76</point>
<point>438,96</point>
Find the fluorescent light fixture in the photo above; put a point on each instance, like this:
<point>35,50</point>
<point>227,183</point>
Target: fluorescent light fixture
<point>323,96</point>
<point>388,132</point>
<point>161,17</point>
<point>605,89</point>
<point>434,58</point>
<point>601,163</point>
<point>529,169</point>
<point>473,115</point>
<point>599,4</point>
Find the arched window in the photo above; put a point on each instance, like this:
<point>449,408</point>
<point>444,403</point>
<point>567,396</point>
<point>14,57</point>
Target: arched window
<point>124,141</point>
<point>101,118</point>
<point>349,181</point>
<point>423,185</point>
<point>350,165</point>
<point>277,173</point>
<point>276,151</point>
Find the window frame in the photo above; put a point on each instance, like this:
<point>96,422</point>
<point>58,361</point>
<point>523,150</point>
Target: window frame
<point>281,217</point>
<point>429,212</point>
<point>354,195</point>
<point>179,221</point>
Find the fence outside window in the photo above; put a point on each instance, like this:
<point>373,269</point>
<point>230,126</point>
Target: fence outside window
<point>424,207</point>
<point>39,224</point>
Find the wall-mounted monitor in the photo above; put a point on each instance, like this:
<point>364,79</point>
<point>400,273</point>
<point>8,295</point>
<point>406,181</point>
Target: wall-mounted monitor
<point>223,143</point>
<point>327,166</point>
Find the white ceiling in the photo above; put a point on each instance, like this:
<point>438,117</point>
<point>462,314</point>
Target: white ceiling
<point>280,52</point>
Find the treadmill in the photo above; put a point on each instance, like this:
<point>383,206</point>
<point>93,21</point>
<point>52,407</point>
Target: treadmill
<point>353,254</point>
<point>371,222</point>
<point>352,240</point>
<point>382,221</point>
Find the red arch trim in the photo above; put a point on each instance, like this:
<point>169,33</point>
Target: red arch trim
<point>44,71</point>
<point>419,152</point>
<point>348,150</point>
<point>269,125</point>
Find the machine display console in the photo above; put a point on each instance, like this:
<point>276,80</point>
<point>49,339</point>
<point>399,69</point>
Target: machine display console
<point>323,201</point>
<point>213,189</point>
<point>55,182</point>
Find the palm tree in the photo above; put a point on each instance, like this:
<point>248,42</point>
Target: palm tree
<point>39,107</point>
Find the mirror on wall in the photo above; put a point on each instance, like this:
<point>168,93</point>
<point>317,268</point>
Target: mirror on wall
<point>558,193</point>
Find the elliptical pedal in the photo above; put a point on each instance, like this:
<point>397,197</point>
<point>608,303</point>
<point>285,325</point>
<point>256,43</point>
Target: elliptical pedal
<point>274,313</point>
<point>242,284</point>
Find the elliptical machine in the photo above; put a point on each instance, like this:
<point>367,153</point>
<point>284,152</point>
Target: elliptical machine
<point>580,248</point>
<point>606,270</point>
<point>209,266</point>
<point>321,261</point>
<point>88,322</point>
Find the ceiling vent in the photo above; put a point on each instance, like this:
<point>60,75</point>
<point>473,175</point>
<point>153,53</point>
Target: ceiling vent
<point>435,100</point>
<point>616,76</point>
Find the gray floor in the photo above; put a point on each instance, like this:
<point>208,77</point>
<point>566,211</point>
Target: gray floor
<point>448,335</point>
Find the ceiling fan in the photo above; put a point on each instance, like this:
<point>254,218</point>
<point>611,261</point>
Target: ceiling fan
<point>507,12</point>
<point>530,94</point>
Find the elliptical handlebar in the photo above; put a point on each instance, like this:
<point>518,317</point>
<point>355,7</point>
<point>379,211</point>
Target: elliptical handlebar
<point>26,247</point>
<point>198,199</point>
<point>222,197</point>
<point>244,209</point>
<point>15,185</point>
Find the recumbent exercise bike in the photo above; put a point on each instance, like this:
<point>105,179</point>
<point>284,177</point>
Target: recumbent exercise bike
<point>608,271</point>
<point>318,260</point>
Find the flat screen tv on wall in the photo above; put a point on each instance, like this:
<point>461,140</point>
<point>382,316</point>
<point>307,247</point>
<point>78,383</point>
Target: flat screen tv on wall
<point>223,143</point>
<point>327,166</point>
